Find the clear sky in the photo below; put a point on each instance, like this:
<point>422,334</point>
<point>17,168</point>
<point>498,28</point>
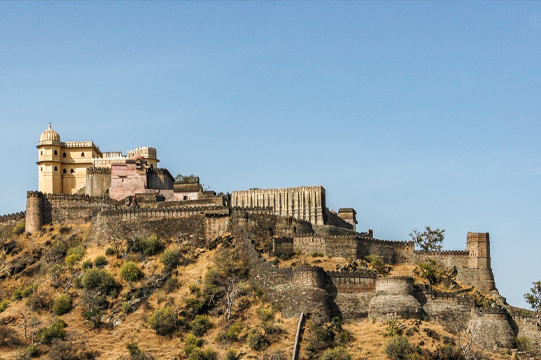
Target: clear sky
<point>413,113</point>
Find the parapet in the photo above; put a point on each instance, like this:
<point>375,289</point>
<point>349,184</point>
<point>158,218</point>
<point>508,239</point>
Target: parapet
<point>443,252</point>
<point>394,285</point>
<point>477,236</point>
<point>34,194</point>
<point>13,217</point>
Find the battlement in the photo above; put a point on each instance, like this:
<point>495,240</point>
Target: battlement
<point>146,152</point>
<point>489,311</point>
<point>34,194</point>
<point>279,190</point>
<point>195,180</point>
<point>352,277</point>
<point>395,243</point>
<point>78,144</point>
<point>13,217</point>
<point>477,236</point>
<point>170,212</point>
<point>443,252</point>
<point>98,170</point>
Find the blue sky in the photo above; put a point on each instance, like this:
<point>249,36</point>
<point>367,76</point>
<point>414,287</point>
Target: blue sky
<point>413,113</point>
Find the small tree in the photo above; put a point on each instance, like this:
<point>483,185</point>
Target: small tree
<point>534,297</point>
<point>429,239</point>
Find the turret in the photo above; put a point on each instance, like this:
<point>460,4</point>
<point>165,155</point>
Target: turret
<point>50,164</point>
<point>478,245</point>
<point>34,211</point>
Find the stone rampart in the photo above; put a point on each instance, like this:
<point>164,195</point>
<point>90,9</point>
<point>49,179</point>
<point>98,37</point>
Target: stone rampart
<point>98,181</point>
<point>389,251</point>
<point>527,323</point>
<point>490,327</point>
<point>15,217</point>
<point>394,299</point>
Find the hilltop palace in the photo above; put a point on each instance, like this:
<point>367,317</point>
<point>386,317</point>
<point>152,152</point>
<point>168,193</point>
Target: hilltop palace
<point>123,196</point>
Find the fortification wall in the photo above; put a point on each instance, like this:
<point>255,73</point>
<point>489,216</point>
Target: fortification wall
<point>98,181</point>
<point>303,203</point>
<point>527,325</point>
<point>352,292</point>
<point>490,327</point>
<point>8,223</point>
<point>196,226</point>
<point>391,252</point>
<point>335,220</point>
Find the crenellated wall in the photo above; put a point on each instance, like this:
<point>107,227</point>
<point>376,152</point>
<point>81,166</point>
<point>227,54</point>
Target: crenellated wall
<point>490,327</point>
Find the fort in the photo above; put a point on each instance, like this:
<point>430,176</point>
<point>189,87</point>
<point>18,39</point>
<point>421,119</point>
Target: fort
<point>125,196</point>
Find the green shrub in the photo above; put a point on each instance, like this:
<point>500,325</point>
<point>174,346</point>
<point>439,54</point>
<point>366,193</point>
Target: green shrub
<point>231,354</point>
<point>100,279</point>
<point>78,250</point>
<point>71,260</point>
<point>169,258</point>
<point>110,251</point>
<point>171,284</point>
<point>149,245</point>
<point>62,304</point>
<point>4,305</point>
<point>126,307</point>
<point>55,331</point>
<point>265,314</point>
<point>19,228</point>
<point>524,343</point>
<point>234,331</point>
<point>64,230</point>
<point>93,317</point>
<point>197,354</point>
<point>134,350</point>
<point>163,320</point>
<point>316,254</point>
<point>100,261</point>
<point>17,294</point>
<point>200,325</point>
<point>337,353</point>
<point>256,341</point>
<point>32,351</point>
<point>192,340</point>
<point>87,264</point>
<point>129,271</point>
<point>398,348</point>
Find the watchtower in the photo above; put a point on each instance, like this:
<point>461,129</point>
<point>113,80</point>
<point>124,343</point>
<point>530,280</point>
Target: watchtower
<point>478,245</point>
<point>49,164</point>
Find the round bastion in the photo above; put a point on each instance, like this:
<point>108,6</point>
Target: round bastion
<point>490,328</point>
<point>394,299</point>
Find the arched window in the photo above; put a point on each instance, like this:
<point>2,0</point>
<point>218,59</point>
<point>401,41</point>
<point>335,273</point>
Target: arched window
<point>72,171</point>
<point>41,169</point>
<point>185,197</point>
<point>55,152</point>
<point>63,171</point>
<point>41,152</point>
<point>64,155</point>
<point>151,166</point>
<point>55,168</point>
<point>82,154</point>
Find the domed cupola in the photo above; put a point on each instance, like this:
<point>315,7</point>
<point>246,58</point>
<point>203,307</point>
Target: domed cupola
<point>49,137</point>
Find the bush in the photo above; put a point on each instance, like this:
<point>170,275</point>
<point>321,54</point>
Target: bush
<point>110,251</point>
<point>316,254</point>
<point>93,317</point>
<point>169,258</point>
<point>197,354</point>
<point>19,228</point>
<point>171,284</point>
<point>200,325</point>
<point>87,264</point>
<point>55,331</point>
<point>192,340</point>
<point>98,279</point>
<point>32,351</point>
<point>265,314</point>
<point>149,245</point>
<point>163,320</point>
<point>234,331</point>
<point>17,294</point>
<point>524,343</point>
<point>129,271</point>
<point>71,260</point>
<point>23,293</point>
<point>62,304</point>
<point>100,261</point>
<point>231,354</point>
<point>377,263</point>
<point>256,341</point>
<point>78,250</point>
<point>398,348</point>
<point>126,307</point>
<point>338,353</point>
<point>134,350</point>
<point>4,305</point>
<point>64,230</point>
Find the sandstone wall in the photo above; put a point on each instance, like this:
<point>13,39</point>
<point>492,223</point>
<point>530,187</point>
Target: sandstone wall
<point>303,203</point>
<point>98,181</point>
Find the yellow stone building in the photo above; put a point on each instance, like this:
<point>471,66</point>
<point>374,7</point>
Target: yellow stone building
<point>62,165</point>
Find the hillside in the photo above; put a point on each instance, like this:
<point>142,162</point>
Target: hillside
<point>193,288</point>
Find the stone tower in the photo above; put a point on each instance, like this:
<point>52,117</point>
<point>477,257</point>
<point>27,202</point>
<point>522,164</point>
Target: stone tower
<point>34,211</point>
<point>49,164</point>
<point>478,245</point>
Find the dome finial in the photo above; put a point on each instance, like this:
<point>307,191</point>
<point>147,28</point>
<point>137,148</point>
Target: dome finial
<point>49,126</point>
